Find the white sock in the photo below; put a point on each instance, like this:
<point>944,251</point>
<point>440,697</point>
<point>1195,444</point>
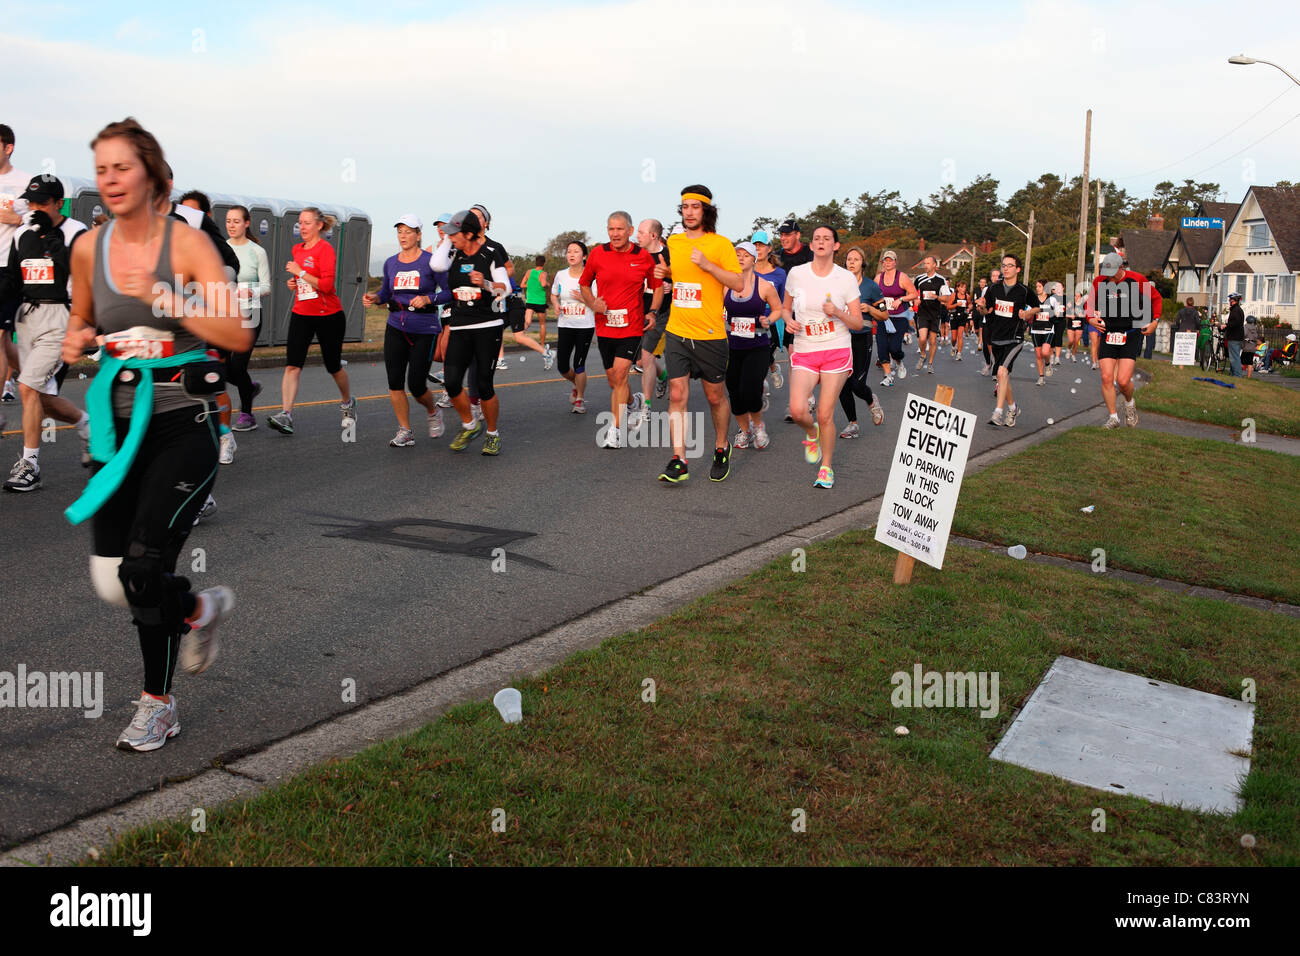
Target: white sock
<point>494,433</point>
<point>204,611</point>
<point>467,425</point>
<point>31,455</point>
<point>1130,402</point>
<point>83,419</point>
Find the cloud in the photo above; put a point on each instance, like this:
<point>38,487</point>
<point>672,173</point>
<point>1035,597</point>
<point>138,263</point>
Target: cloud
<point>549,115</point>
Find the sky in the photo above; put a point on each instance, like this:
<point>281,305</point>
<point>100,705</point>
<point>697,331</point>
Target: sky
<point>555,115</point>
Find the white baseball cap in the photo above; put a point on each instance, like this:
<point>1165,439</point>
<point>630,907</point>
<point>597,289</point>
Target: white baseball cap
<point>409,220</point>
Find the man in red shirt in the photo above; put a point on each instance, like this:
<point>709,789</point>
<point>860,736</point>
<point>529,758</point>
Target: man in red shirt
<point>619,268</point>
<point>1123,306</point>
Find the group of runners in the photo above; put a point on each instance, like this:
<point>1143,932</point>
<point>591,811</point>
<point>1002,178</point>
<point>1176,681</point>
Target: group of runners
<point>692,305</point>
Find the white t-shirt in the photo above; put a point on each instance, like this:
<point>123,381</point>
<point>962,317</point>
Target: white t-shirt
<point>574,313</point>
<point>12,185</point>
<point>807,292</point>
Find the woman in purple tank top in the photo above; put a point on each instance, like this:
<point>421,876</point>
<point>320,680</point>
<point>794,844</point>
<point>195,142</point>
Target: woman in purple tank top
<point>899,294</point>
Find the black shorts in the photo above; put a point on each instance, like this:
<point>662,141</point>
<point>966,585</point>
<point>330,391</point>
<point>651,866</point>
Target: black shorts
<point>610,348</point>
<point>1005,355</point>
<point>1076,325</point>
<point>1041,337</point>
<point>1131,348</point>
<point>328,330</point>
<point>538,308</point>
<point>515,317</point>
<point>1058,332</point>
<point>925,321</point>
<point>699,358</point>
<point>8,312</point>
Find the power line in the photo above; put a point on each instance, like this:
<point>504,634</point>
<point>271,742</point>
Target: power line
<point>1251,146</point>
<point>1161,169</point>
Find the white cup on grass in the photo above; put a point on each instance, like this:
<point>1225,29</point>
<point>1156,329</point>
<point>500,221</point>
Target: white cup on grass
<point>511,705</point>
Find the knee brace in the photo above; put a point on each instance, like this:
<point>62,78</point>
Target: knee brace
<point>104,576</point>
<point>152,593</point>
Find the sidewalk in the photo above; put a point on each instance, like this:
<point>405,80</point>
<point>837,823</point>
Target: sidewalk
<point>1177,426</point>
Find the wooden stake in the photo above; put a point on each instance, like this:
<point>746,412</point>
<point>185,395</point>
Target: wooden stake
<point>905,563</point>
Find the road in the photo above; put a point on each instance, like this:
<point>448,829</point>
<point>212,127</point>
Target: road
<point>354,561</point>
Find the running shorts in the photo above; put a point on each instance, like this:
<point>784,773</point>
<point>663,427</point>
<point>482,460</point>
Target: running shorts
<point>699,358</point>
<point>1128,349</point>
<point>1005,355</point>
<point>611,349</point>
<point>328,330</point>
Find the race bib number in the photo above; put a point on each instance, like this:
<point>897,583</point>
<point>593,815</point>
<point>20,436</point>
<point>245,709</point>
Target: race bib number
<point>443,312</point>
<point>818,329</point>
<point>1004,308</point>
<point>38,271</point>
<point>406,281</point>
<point>961,303</point>
<point>743,327</point>
<point>688,295</point>
<point>616,318</point>
<point>468,293</point>
<point>1116,338</point>
<point>305,291</point>
<point>573,309</point>
<point>890,302</point>
<point>928,295</point>
<point>140,342</point>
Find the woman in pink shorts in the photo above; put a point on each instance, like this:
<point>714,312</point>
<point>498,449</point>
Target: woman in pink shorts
<point>824,299</point>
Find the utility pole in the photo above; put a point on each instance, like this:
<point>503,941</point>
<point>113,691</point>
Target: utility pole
<point>1029,246</point>
<point>1083,202</point>
<point>1096,241</point>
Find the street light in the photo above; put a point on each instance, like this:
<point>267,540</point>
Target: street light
<point>1029,239</point>
<point>1243,60</point>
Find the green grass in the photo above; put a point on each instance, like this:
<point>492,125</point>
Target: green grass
<point>1171,390</point>
<point>774,694</point>
<point>1193,510</point>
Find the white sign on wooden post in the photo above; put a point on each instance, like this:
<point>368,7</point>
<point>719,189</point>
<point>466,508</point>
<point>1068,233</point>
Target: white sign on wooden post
<point>925,479</point>
<point>1185,348</point>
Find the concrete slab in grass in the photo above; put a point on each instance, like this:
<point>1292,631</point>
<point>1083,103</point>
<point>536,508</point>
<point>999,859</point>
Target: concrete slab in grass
<point>1131,735</point>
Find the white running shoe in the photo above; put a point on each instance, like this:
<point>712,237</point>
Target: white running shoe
<point>635,419</point>
<point>228,448</point>
<point>548,358</point>
<point>349,410</point>
<point>208,509</point>
<point>920,363</point>
<point>444,401</point>
<point>778,381</point>
<point>887,382</point>
<point>502,364</point>
<point>812,404</point>
<point>877,413</point>
<point>152,726</point>
<point>902,370</point>
<point>851,430</point>
<point>741,440</point>
<point>761,440</point>
<point>199,647</point>
<point>404,438</point>
<point>435,423</point>
<point>1013,412</point>
<point>1131,414</point>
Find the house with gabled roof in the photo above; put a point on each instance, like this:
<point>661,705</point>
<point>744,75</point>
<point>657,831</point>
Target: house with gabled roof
<point>1260,257</point>
<point>954,258</point>
<point>1146,249</point>
<point>1189,258</point>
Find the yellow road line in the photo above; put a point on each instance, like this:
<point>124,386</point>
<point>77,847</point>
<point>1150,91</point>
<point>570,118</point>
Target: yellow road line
<point>332,401</point>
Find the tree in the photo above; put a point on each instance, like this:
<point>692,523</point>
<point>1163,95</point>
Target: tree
<point>873,212</point>
<point>554,249</point>
<point>831,214</point>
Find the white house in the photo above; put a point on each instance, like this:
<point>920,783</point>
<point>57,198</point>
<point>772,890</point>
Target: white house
<point>1260,257</point>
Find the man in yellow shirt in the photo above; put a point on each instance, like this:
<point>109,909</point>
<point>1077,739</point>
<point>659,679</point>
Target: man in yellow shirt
<point>701,263</point>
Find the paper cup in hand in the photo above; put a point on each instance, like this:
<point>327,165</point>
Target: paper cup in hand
<point>511,705</point>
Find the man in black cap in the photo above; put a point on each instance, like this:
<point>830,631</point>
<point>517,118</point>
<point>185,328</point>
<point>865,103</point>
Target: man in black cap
<point>38,273</point>
<point>1234,332</point>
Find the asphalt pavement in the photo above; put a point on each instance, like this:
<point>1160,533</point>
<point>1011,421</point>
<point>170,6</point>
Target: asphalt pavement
<point>357,565</point>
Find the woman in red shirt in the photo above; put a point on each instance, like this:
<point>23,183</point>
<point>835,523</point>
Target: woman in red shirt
<point>317,313</point>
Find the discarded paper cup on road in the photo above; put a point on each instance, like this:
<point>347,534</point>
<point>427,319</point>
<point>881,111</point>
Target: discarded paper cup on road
<point>1088,510</point>
<point>511,705</point>
<point>1017,551</point>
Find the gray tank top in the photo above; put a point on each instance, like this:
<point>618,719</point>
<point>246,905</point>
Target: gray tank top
<point>118,313</point>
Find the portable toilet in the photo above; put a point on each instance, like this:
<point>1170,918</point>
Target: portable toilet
<point>82,199</point>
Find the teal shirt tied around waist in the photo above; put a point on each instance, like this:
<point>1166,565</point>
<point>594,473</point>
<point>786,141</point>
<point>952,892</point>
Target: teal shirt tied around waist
<point>117,460</point>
